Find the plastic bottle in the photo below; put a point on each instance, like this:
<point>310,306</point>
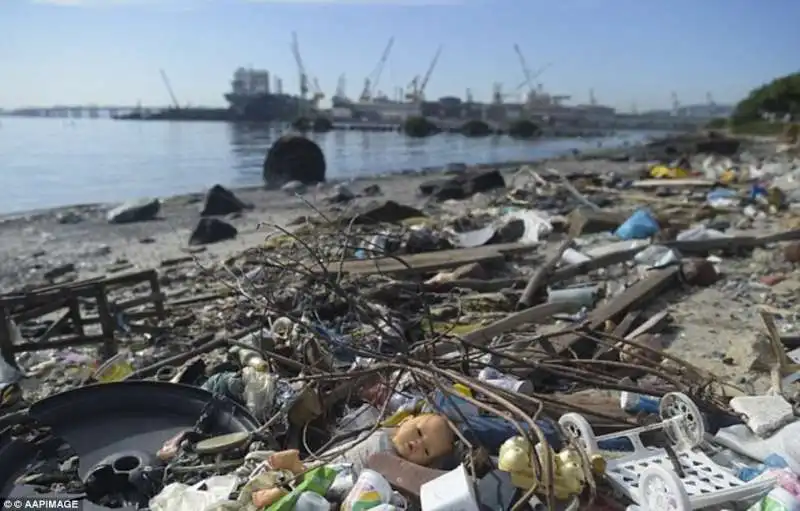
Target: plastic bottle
<point>635,403</point>
<point>497,379</point>
<point>310,501</point>
<point>253,358</point>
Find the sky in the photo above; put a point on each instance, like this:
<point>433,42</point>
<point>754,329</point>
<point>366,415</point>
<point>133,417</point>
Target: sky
<point>109,52</point>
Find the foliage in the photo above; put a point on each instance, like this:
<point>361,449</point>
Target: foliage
<point>524,129</point>
<point>779,97</point>
<point>718,123</point>
<point>419,127</point>
<point>760,128</point>
<point>475,128</point>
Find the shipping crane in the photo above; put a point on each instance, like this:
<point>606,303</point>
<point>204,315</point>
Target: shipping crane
<point>301,70</point>
<point>169,90</point>
<point>318,94</point>
<point>676,104</point>
<point>526,71</point>
<point>417,93</point>
<point>534,90</point>
<point>371,81</point>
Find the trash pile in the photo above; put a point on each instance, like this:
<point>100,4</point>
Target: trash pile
<point>508,352</point>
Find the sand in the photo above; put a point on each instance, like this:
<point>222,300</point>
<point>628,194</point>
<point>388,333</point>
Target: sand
<point>718,326</point>
<point>34,243</point>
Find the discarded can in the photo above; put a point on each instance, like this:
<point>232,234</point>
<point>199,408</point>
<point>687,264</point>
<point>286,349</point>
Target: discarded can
<point>497,379</point>
<point>585,296</point>
<point>635,403</point>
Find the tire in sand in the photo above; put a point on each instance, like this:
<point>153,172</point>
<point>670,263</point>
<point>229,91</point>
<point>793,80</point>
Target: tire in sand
<point>294,158</point>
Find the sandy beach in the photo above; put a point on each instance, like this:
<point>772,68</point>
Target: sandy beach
<point>719,323</point>
<point>34,243</point>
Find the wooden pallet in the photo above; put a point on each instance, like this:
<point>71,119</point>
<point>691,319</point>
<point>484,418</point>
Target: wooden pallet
<point>36,303</point>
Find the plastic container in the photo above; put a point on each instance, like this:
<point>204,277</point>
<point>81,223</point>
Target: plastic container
<point>310,501</point>
<point>635,403</point>
<point>370,491</point>
<point>451,491</point>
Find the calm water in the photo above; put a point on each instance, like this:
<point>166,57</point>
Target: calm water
<point>56,162</point>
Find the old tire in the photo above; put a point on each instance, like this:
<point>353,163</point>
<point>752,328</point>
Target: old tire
<point>294,158</point>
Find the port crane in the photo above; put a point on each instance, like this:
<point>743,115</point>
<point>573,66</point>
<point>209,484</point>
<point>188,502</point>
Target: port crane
<point>340,87</point>
<point>417,88</point>
<point>169,89</point>
<point>304,77</point>
<point>676,104</point>
<point>534,90</point>
<point>371,82</point>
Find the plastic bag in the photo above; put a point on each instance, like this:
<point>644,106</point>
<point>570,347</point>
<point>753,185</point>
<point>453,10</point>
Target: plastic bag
<point>641,224</point>
<point>259,391</point>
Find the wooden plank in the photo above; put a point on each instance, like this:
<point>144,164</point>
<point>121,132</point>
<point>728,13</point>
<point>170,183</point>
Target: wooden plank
<point>635,296</point>
<point>535,314</point>
<point>428,262</point>
<point>687,183</point>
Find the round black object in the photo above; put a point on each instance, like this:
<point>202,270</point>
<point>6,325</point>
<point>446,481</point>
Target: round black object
<point>109,424</point>
<point>294,158</point>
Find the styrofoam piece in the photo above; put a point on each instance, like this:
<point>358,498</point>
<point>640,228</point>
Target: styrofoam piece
<point>452,491</point>
<point>764,414</point>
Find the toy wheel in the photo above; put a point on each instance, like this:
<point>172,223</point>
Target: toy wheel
<point>690,428</point>
<point>661,490</point>
<point>579,429</point>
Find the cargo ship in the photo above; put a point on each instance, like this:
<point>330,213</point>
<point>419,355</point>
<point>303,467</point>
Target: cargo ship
<point>252,99</point>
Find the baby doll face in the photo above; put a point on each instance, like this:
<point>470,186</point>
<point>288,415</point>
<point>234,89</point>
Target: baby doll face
<point>423,439</point>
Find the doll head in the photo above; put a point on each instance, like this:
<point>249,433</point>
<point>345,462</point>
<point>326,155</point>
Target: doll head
<point>423,439</point>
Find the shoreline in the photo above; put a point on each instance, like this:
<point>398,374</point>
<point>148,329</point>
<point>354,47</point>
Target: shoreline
<point>595,154</point>
<point>36,242</point>
<point>607,144</point>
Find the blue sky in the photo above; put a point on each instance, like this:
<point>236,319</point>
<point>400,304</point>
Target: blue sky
<point>628,51</point>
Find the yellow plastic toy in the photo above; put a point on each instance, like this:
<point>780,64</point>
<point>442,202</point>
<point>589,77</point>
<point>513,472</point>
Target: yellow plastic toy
<point>569,481</point>
<point>664,172</point>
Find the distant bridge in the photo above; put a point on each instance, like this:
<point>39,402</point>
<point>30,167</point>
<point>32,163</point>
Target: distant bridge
<point>81,111</point>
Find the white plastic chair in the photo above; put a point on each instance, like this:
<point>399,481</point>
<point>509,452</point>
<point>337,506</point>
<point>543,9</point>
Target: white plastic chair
<point>647,476</point>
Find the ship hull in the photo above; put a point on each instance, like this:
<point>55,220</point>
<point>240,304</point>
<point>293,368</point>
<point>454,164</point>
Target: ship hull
<point>266,107</point>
